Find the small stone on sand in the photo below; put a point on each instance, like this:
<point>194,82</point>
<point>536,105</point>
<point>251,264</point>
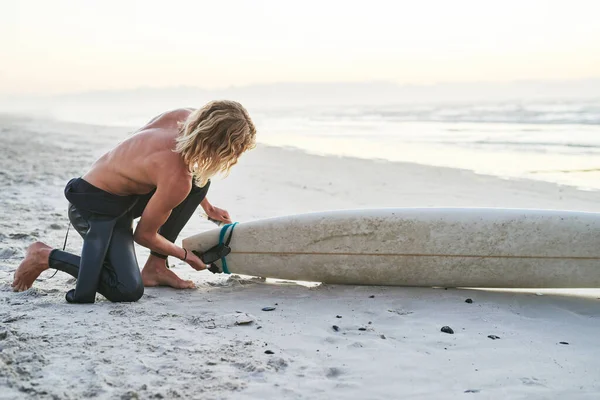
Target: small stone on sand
<point>447,329</point>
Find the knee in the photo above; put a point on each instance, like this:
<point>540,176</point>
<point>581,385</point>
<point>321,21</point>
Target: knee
<point>129,293</point>
<point>135,293</point>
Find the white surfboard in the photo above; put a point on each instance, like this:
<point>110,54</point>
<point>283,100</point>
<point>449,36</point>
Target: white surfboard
<point>449,247</point>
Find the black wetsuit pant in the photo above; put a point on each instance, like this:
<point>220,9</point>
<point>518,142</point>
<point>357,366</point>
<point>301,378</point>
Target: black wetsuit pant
<point>108,264</point>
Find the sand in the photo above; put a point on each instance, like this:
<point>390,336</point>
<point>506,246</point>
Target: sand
<point>210,343</point>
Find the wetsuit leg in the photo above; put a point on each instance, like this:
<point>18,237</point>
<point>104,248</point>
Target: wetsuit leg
<point>121,259</point>
<point>95,248</point>
<point>108,263</point>
<point>120,278</point>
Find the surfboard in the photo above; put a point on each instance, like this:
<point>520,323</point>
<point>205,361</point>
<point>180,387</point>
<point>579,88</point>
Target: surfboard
<point>447,247</point>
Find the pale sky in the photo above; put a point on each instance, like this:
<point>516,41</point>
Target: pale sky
<point>60,46</point>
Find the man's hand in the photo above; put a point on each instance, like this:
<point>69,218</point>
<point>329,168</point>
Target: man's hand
<point>218,214</point>
<point>194,261</point>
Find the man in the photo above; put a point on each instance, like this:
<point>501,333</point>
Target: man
<point>161,174</point>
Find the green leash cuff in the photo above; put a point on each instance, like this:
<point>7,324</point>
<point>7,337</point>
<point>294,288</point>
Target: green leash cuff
<point>224,230</point>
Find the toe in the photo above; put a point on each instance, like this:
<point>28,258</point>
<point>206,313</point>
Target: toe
<point>187,285</point>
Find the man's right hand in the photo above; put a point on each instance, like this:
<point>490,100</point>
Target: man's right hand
<point>194,261</point>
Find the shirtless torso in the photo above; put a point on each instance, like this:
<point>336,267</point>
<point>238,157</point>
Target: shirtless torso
<point>143,161</point>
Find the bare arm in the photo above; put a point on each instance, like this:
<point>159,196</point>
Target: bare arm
<point>168,195</point>
<point>215,213</point>
<point>206,206</point>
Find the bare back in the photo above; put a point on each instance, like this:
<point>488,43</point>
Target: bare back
<point>138,164</point>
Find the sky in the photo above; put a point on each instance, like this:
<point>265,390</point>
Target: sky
<point>63,46</point>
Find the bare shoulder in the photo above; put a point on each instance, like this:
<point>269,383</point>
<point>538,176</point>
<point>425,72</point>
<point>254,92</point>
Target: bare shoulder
<point>179,114</point>
<point>169,119</point>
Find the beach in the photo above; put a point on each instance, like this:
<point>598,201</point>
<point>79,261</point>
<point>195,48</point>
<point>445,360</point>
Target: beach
<point>215,342</point>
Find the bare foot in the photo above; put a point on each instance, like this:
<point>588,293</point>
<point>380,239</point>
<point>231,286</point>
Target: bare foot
<point>35,262</point>
<point>156,273</point>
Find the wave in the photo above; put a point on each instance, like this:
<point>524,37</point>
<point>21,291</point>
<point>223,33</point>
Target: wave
<point>536,144</point>
<point>585,113</point>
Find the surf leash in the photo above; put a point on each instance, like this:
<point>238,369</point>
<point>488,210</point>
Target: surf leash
<point>218,252</point>
<point>221,237</point>
<point>64,247</point>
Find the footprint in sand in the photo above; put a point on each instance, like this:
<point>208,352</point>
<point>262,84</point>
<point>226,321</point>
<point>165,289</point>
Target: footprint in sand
<point>334,372</point>
<point>532,382</point>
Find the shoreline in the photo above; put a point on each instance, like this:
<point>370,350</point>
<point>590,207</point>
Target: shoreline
<point>124,130</point>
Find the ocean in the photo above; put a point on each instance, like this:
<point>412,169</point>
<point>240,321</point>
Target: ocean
<point>555,141</point>
<point>550,141</point>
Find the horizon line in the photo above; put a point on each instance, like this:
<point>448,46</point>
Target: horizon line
<point>308,83</point>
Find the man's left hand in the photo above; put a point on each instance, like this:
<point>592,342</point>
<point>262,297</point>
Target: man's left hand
<point>218,214</point>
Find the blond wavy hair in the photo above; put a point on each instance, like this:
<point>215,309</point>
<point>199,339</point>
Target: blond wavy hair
<point>212,138</point>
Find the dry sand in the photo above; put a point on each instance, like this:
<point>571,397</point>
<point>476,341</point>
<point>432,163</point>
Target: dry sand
<point>190,344</point>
